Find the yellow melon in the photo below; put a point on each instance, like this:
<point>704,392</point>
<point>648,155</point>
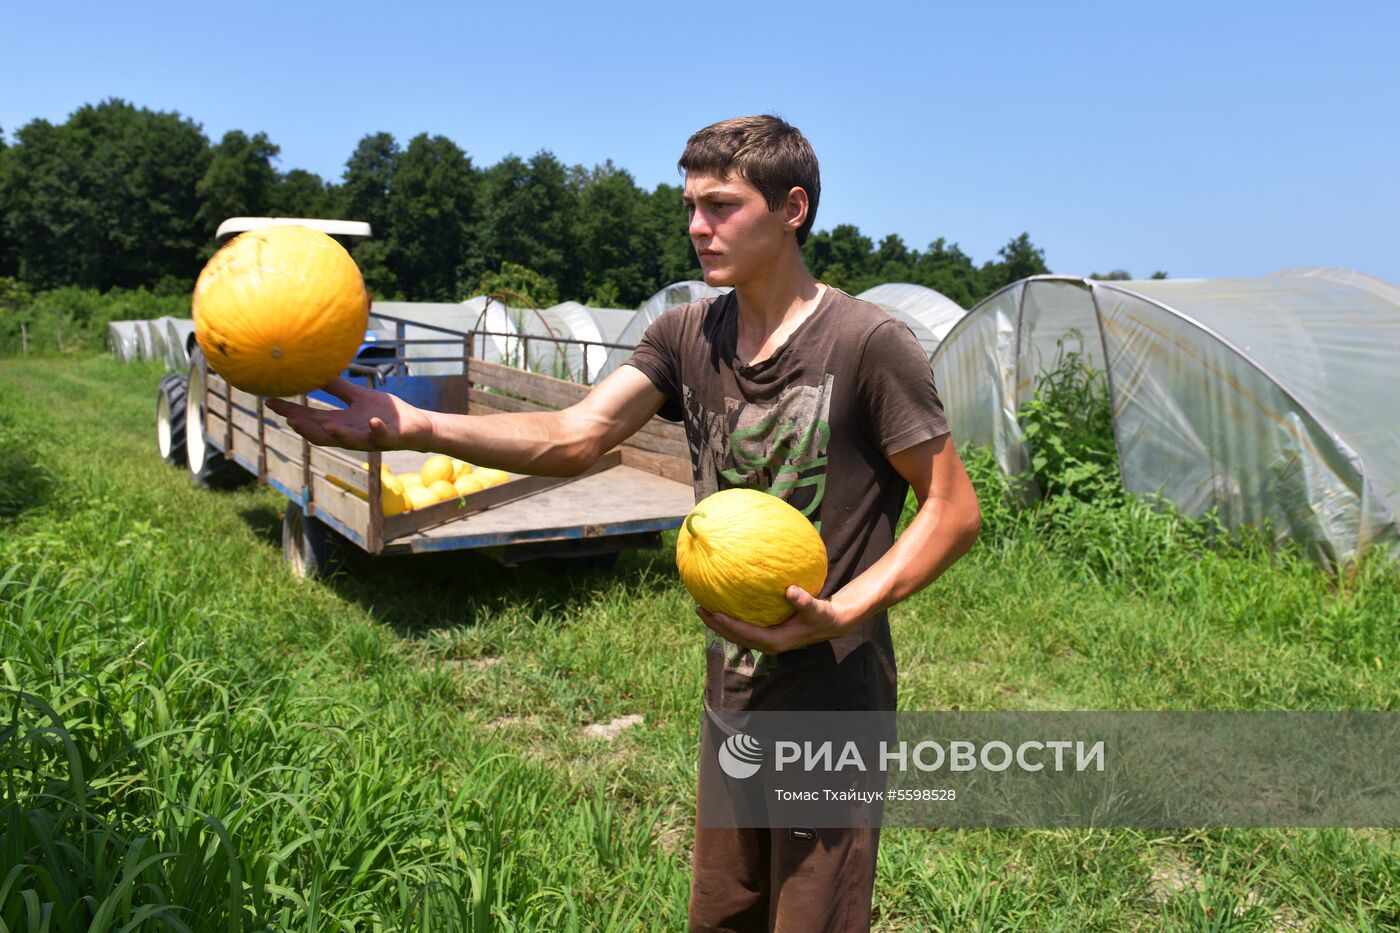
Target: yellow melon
<point>467,484</point>
<point>460,468</point>
<point>410,480</point>
<point>280,310</point>
<point>441,490</point>
<point>391,496</point>
<point>437,467</point>
<point>740,549</point>
<point>418,497</point>
<point>490,476</point>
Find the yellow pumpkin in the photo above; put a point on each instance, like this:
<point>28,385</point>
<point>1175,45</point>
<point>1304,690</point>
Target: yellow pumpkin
<point>740,549</point>
<point>280,310</point>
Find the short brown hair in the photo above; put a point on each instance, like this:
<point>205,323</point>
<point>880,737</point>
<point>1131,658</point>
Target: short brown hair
<point>767,152</point>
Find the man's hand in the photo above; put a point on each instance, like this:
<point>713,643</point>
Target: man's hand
<point>370,421</point>
<point>813,620</point>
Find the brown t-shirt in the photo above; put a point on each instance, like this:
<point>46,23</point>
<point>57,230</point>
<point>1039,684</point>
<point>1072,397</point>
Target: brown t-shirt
<point>813,424</point>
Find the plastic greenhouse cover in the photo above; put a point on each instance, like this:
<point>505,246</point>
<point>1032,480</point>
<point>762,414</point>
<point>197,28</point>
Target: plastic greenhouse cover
<point>122,340</point>
<point>1265,399</point>
<point>677,293</point>
<point>575,321</point>
<point>929,313</point>
<point>491,316</point>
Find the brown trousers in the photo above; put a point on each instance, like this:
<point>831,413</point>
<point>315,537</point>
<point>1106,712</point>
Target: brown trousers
<point>768,879</point>
<point>785,880</point>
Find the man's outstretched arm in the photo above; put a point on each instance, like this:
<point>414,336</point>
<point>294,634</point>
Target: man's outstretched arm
<point>553,443</point>
<point>943,530</point>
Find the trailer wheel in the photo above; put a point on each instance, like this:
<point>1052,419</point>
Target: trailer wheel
<point>170,418</point>
<point>311,548</point>
<point>208,467</point>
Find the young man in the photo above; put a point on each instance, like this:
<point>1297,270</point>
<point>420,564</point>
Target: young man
<point>785,385</point>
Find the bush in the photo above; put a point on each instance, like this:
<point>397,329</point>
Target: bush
<point>74,320</point>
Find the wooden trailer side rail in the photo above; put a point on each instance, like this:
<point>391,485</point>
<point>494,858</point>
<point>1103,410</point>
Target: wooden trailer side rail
<point>343,488</point>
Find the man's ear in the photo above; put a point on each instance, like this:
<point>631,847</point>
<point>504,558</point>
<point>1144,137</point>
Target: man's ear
<point>795,211</point>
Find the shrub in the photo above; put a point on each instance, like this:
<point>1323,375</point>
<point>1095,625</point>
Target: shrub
<point>74,320</point>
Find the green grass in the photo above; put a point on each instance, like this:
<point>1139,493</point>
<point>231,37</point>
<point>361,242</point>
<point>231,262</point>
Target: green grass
<point>191,739</point>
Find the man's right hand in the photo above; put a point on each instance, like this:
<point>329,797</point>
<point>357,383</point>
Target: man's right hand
<point>370,421</point>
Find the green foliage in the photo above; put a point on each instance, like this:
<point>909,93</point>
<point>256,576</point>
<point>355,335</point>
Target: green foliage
<point>74,320</point>
<point>432,212</point>
<point>124,197</point>
<point>532,209</point>
<point>300,193</point>
<point>239,182</point>
<point>847,259</point>
<point>614,232</point>
<point>1068,426</point>
<point>106,199</point>
<point>520,287</point>
<point>604,296</point>
<point>173,757</point>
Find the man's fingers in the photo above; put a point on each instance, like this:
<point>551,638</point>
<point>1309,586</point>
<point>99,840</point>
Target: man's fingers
<point>290,409</point>
<point>798,597</point>
<point>739,631</point>
<point>312,431</point>
<point>345,390</point>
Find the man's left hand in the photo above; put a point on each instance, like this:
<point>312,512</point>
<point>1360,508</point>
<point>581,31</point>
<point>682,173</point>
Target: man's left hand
<point>813,620</point>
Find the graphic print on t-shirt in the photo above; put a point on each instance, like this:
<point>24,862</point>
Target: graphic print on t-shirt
<point>780,447</point>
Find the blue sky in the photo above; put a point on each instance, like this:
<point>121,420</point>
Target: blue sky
<point>1212,139</point>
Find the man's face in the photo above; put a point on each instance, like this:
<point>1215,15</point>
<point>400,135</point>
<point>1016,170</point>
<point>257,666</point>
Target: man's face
<point>736,237</point>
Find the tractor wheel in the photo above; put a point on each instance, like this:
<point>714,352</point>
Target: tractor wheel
<point>170,418</point>
<point>208,467</point>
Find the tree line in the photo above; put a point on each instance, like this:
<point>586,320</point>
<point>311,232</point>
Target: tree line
<point>120,196</point>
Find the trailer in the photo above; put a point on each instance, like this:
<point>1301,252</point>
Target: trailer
<point>334,515</point>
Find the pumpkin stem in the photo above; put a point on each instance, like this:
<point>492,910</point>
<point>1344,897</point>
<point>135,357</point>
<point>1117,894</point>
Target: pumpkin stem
<point>690,524</point>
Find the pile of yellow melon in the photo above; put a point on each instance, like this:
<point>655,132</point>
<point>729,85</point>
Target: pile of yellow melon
<point>440,479</point>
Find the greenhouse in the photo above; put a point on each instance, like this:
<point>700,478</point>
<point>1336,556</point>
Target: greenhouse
<point>677,293</point>
<point>498,344</point>
<point>572,321</point>
<point>123,339</point>
<point>1269,400</point>
<point>930,314</point>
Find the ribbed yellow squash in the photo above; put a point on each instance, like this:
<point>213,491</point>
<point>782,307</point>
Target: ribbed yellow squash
<point>280,311</point>
<point>740,549</point>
